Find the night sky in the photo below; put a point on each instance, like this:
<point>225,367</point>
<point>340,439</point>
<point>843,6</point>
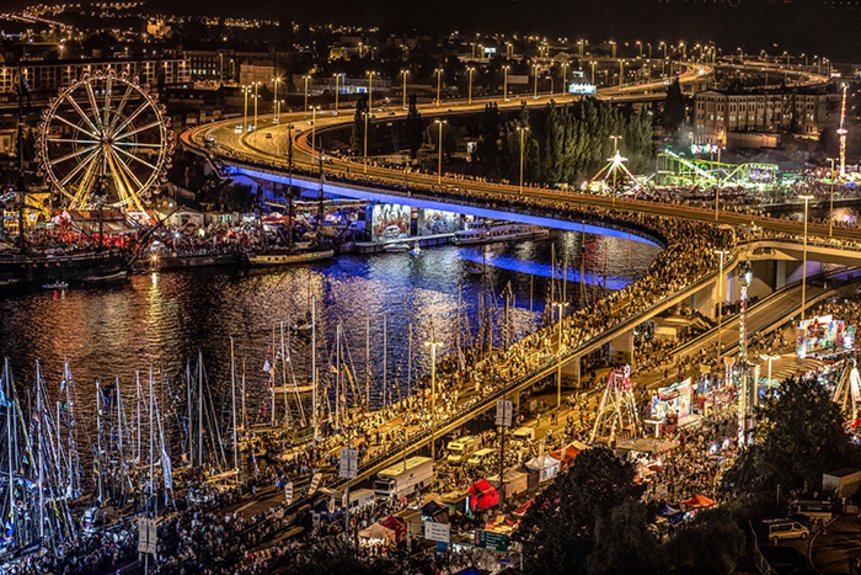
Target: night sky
<point>814,26</point>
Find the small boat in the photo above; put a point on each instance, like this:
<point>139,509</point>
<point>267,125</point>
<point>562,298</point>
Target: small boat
<point>396,248</point>
<point>56,286</point>
<point>107,278</point>
<point>489,232</point>
<point>270,259</point>
<point>416,251</point>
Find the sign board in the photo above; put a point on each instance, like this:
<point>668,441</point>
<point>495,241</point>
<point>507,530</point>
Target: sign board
<point>147,537</point>
<point>349,463</point>
<point>491,540</point>
<point>288,492</point>
<point>440,532</point>
<point>583,89</point>
<point>315,483</point>
<point>504,409</point>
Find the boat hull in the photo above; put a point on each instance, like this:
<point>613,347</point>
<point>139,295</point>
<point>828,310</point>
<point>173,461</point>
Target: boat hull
<point>273,260</point>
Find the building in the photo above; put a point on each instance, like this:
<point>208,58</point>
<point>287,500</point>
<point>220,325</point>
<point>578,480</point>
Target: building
<point>722,115</point>
<point>44,79</point>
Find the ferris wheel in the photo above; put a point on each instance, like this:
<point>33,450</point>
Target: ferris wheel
<point>104,140</point>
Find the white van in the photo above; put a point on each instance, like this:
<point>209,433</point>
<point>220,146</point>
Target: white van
<point>460,449</point>
<point>523,434</point>
<point>359,498</point>
<point>780,529</point>
<point>480,457</point>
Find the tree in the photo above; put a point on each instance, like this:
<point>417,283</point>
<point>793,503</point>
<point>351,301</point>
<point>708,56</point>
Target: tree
<point>799,435</point>
<point>711,544</point>
<point>414,128</point>
<point>558,531</point>
<point>357,141</point>
<point>674,109</point>
<point>623,544</point>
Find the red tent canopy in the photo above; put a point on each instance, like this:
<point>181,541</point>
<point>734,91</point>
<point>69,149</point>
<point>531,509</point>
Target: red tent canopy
<point>482,495</point>
<point>566,455</point>
<point>699,501</point>
<point>397,525</point>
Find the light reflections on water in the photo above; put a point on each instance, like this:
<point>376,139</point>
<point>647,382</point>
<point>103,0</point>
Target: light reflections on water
<point>161,320</point>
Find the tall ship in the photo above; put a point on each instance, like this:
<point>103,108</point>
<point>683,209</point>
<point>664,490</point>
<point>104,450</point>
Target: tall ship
<point>491,232</point>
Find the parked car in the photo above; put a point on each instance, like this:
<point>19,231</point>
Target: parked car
<point>779,529</point>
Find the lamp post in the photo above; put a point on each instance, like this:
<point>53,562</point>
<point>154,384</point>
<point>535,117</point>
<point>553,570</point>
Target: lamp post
<point>831,201</point>
<point>404,74</point>
<point>337,90</point>
<point>440,123</point>
<point>365,163</point>
<point>612,49</point>
<point>505,82</point>
<point>307,79</point>
<point>275,82</point>
<point>769,359</point>
<point>470,72</point>
<point>313,125</point>
<point>722,254</point>
<point>615,168</point>
<point>535,83</point>
<point>593,62</point>
<point>245,92</point>
<point>564,76</point>
<point>438,73</point>
<point>432,344</point>
<point>256,86</point>
<point>561,305</point>
<point>371,90</point>
<point>621,73</point>
<point>522,130</point>
<point>640,47</point>
<point>806,199</point>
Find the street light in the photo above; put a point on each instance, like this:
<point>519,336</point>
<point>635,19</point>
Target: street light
<point>722,254</point>
<point>245,92</point>
<point>505,70</point>
<point>621,72</point>
<point>593,62</point>
<point>613,49</point>
<point>831,201</point>
<point>440,123</point>
<point>469,71</point>
<point>307,79</point>
<point>432,344</point>
<point>564,75</point>
<point>313,124</point>
<point>404,74</point>
<point>275,82</point>
<point>806,199</point>
<point>535,83</point>
<point>522,130</point>
<point>438,73</point>
<point>365,165</point>
<point>769,359</point>
<point>371,90</point>
<point>256,86</point>
<point>561,305</point>
<point>337,89</point>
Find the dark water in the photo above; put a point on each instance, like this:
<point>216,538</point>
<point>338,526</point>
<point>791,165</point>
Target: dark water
<point>162,320</point>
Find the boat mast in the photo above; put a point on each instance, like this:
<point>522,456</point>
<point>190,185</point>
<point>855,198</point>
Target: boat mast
<point>233,405</point>
<point>314,366</point>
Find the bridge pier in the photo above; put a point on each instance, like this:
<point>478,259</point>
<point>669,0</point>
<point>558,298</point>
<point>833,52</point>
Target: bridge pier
<point>622,348</point>
<point>572,369</point>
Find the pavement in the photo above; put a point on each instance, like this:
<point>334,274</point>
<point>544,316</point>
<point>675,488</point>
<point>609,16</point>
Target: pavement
<point>832,549</point>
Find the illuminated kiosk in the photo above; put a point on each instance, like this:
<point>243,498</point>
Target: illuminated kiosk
<point>673,169</point>
<point>617,414</point>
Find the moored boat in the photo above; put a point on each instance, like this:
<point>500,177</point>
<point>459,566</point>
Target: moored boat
<point>278,258</point>
<point>484,232</point>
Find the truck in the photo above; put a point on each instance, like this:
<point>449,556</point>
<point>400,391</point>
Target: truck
<point>460,449</point>
<point>405,477</point>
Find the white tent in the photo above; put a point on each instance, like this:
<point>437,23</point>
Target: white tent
<point>377,533</point>
<point>546,466</point>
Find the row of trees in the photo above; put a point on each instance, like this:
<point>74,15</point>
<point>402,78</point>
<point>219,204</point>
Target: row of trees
<point>564,144</point>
